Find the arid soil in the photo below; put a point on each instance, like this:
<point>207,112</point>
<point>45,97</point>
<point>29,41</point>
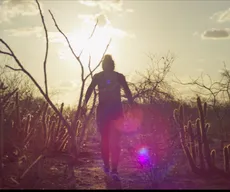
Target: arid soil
<point>88,174</point>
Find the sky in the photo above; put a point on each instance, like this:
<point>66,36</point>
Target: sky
<point>196,32</point>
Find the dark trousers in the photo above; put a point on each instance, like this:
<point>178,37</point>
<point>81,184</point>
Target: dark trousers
<point>110,122</point>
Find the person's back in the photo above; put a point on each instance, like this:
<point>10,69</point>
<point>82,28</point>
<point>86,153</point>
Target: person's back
<point>109,87</point>
<point>109,110</point>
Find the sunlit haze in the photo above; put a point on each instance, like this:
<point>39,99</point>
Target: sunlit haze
<point>197,32</point>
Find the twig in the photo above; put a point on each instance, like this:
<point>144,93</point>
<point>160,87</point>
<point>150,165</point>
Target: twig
<point>47,47</point>
<point>107,46</point>
<point>67,40</point>
<point>13,68</point>
<point>5,53</point>
<point>94,29</point>
<point>28,169</point>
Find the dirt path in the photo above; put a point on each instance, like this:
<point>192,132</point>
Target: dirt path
<point>89,175</point>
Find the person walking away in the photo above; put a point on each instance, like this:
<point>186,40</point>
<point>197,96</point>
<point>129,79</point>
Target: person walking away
<point>109,112</point>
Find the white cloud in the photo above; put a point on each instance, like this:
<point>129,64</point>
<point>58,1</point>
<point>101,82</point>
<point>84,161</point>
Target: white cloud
<point>56,37</point>
<point>221,16</point>
<point>104,22</point>
<point>101,18</point>
<point>107,5</point>
<point>10,9</point>
<point>26,31</point>
<point>196,33</point>
<point>68,84</point>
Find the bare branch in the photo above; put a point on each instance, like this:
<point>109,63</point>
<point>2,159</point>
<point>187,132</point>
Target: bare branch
<point>67,40</point>
<point>107,46</point>
<point>153,85</point>
<point>13,68</point>
<point>91,35</point>
<point>47,47</point>
<point>5,53</point>
<point>38,86</point>
<point>89,66</point>
<point>95,26</point>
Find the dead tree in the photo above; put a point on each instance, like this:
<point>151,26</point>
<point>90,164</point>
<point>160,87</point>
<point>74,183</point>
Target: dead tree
<point>153,85</point>
<point>9,52</point>
<point>216,94</point>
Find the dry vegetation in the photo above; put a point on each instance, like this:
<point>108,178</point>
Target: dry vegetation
<point>44,145</point>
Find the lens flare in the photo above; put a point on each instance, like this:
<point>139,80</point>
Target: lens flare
<point>143,155</point>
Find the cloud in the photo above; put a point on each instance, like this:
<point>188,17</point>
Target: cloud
<point>107,5</point>
<point>103,21</point>
<point>101,18</point>
<point>26,31</point>
<point>111,5</point>
<point>56,37</point>
<point>67,86</point>
<point>10,9</point>
<point>221,16</point>
<point>196,33</point>
<point>216,34</point>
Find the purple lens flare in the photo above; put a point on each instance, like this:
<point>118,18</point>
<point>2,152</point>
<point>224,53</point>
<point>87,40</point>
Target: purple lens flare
<point>108,81</point>
<point>143,155</point>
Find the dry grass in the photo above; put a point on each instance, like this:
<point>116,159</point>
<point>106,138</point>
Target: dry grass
<point>36,155</point>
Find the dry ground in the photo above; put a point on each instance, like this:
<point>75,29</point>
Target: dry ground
<point>88,174</point>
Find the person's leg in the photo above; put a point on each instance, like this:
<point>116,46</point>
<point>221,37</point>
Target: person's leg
<point>115,137</point>
<point>104,132</point>
<point>115,148</point>
<point>105,148</point>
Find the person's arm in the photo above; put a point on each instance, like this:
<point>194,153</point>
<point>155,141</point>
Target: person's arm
<point>127,91</point>
<point>90,89</point>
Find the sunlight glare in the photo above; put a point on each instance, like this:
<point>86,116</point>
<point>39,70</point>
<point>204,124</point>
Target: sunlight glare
<point>95,46</point>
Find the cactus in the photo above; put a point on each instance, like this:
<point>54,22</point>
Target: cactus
<point>196,146</point>
<point>44,121</point>
<point>213,157</point>
<point>204,127</point>
<point>18,116</point>
<point>51,135</point>
<point>59,120</point>
<point>27,126</point>
<point>226,159</point>
<point>1,143</point>
<point>186,135</point>
<point>199,141</point>
<point>179,119</point>
<point>228,146</point>
<point>191,140</point>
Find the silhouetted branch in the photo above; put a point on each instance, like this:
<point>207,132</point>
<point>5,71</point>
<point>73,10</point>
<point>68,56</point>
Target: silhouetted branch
<point>95,26</point>
<point>5,53</point>
<point>35,82</point>
<point>47,47</point>
<point>13,68</point>
<point>152,85</point>
<point>214,89</point>
<point>107,46</point>
<point>68,42</point>
<point>92,33</point>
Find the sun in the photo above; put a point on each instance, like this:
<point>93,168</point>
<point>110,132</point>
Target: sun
<point>93,47</point>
